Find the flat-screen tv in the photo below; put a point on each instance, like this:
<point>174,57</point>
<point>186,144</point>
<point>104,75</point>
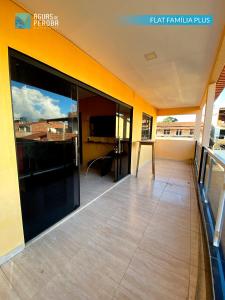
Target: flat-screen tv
<point>102,126</point>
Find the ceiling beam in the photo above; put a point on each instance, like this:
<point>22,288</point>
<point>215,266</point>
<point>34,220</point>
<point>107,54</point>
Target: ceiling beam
<point>178,111</point>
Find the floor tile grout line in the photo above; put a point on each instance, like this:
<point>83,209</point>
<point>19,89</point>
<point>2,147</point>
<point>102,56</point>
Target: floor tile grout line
<point>58,224</point>
<point>68,217</point>
<point>63,222</point>
<point>169,254</point>
<point>188,264</point>
<point>141,238</point>
<point>11,283</point>
<point>134,251</point>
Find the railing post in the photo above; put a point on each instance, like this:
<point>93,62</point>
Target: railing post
<point>202,166</point>
<point>220,215</point>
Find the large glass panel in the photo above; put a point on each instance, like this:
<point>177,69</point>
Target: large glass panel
<point>46,131</point>
<point>223,236</point>
<point>213,183</point>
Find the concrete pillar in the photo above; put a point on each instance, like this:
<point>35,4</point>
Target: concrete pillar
<point>197,126</point>
<point>208,114</point>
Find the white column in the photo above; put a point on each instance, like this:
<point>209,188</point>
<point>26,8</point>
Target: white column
<point>197,125</point>
<point>208,114</point>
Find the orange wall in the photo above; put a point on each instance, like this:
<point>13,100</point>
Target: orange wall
<point>53,49</point>
<point>178,111</point>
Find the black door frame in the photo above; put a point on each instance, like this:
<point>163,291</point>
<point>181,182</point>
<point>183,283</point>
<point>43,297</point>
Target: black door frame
<point>17,54</point>
<point>75,83</point>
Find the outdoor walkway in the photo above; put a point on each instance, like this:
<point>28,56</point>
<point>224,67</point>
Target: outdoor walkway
<point>138,241</point>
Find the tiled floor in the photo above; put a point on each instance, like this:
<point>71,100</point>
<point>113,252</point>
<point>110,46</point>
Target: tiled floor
<point>138,241</point>
<point>92,185</point>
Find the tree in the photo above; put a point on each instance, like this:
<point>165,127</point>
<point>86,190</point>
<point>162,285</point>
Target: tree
<point>170,119</point>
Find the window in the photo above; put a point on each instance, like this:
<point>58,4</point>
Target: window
<point>178,132</point>
<point>24,128</point>
<point>166,131</point>
<point>146,132</point>
<point>191,131</point>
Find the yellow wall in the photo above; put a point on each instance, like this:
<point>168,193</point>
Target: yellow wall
<point>11,233</point>
<point>178,111</point>
<point>175,149</point>
<point>53,49</point>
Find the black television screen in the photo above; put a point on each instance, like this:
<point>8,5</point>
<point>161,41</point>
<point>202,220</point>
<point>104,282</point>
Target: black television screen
<point>102,126</point>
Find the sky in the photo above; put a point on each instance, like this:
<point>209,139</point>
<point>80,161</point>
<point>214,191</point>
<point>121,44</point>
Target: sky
<point>33,103</point>
<point>220,101</point>
<point>181,118</point>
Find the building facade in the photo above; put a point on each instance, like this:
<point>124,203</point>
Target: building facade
<point>175,129</point>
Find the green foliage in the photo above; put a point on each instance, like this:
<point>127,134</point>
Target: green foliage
<point>170,119</point>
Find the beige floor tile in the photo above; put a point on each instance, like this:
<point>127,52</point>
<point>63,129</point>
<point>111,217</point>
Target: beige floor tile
<point>195,249</point>
<point>95,258</point>
<point>174,213</point>
<point>26,285</point>
<point>31,270</point>
<point>169,223</point>
<point>176,199</point>
<point>143,261</point>
<point>179,181</point>
<point>194,205</point>
<point>132,212</point>
<point>130,231</point>
<point>154,282</point>
<point>92,186</point>
<point>200,285</point>
<point>6,290</point>
<point>195,221</point>
<point>179,189</point>
<point>162,177</point>
<point>76,282</point>
<point>137,241</point>
<point>169,238</point>
<point>137,224</point>
<point>118,244</point>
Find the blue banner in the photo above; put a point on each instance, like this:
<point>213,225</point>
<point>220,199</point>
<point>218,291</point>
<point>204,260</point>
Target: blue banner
<point>169,20</point>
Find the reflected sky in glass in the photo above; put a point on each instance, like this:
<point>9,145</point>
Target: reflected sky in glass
<point>32,103</point>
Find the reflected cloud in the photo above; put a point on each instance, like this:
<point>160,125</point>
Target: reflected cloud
<point>32,104</point>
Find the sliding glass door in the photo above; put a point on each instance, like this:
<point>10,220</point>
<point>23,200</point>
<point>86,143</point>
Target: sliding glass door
<point>46,132</point>
<point>123,141</point>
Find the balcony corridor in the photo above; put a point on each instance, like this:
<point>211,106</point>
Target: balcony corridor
<point>140,240</point>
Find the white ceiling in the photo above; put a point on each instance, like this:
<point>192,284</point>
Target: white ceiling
<point>177,77</point>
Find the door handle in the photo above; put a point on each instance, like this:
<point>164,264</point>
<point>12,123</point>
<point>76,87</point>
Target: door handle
<point>76,151</point>
<point>120,146</point>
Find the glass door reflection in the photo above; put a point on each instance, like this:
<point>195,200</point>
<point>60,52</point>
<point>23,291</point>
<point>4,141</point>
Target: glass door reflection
<point>46,131</point>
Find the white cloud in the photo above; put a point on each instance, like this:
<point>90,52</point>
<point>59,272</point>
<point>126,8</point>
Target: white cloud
<point>33,105</point>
